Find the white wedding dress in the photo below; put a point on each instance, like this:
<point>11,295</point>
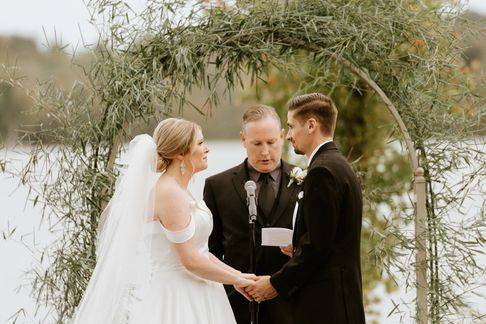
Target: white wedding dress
<point>175,295</point>
<point>138,277</point>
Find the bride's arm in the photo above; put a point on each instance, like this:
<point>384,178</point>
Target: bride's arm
<point>221,264</point>
<point>202,266</point>
<point>173,210</point>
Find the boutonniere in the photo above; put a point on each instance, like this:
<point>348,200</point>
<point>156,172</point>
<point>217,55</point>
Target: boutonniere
<point>297,175</point>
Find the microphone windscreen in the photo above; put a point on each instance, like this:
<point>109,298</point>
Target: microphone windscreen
<point>250,186</point>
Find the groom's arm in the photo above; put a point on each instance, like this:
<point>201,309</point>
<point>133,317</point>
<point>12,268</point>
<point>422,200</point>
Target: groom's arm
<point>321,217</point>
<point>216,238</point>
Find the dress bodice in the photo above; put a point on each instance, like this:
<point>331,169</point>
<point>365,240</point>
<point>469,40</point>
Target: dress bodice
<point>172,294</point>
<point>162,248</point>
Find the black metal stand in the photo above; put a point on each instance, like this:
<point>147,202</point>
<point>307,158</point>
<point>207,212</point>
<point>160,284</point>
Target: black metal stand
<point>250,188</point>
<point>252,232</point>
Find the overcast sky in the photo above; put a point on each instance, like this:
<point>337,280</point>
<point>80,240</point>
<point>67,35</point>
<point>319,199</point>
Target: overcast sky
<point>68,19</point>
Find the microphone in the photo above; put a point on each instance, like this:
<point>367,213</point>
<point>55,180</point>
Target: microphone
<point>250,188</point>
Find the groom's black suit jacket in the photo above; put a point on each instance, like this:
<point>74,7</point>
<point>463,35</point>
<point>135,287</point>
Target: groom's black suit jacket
<point>323,278</point>
<point>225,196</point>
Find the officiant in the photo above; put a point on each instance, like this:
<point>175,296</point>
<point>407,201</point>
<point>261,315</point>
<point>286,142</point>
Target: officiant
<point>224,194</point>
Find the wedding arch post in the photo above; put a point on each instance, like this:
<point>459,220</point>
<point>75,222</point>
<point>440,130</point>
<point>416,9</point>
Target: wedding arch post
<point>420,196</point>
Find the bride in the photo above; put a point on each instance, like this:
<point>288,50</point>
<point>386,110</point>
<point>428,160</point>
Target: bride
<point>153,263</point>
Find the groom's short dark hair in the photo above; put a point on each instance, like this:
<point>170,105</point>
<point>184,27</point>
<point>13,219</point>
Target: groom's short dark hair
<point>316,105</point>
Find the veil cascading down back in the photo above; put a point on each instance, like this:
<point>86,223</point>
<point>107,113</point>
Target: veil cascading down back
<point>123,253</point>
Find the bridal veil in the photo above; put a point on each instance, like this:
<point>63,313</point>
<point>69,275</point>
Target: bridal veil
<point>122,267</point>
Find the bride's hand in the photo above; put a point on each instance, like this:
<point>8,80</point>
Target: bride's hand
<point>244,293</point>
<point>250,276</point>
<point>244,280</point>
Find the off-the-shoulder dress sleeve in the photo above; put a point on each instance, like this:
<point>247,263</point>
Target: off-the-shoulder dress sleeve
<point>182,235</point>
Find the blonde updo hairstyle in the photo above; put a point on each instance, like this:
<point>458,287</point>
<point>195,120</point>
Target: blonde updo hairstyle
<point>173,136</point>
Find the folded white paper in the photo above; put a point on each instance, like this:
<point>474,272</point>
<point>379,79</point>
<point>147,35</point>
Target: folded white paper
<point>276,236</point>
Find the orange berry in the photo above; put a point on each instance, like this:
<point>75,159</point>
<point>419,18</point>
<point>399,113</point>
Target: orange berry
<point>419,43</point>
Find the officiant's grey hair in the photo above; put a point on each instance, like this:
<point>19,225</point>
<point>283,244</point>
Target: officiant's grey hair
<point>259,112</point>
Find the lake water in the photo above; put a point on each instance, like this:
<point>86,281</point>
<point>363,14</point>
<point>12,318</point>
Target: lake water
<point>19,253</point>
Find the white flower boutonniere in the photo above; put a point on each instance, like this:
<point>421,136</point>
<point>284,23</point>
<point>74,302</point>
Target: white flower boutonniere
<point>297,175</point>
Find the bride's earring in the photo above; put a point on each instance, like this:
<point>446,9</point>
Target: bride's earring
<point>183,168</point>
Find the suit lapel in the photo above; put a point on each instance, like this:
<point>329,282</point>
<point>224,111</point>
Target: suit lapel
<point>239,179</point>
<point>286,194</point>
<point>326,147</point>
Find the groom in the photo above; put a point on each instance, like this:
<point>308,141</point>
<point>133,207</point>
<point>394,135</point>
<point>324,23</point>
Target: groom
<point>224,194</point>
<point>322,280</point>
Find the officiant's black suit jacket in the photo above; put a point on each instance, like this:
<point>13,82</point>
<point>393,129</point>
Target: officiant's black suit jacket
<point>323,278</point>
<point>225,196</point>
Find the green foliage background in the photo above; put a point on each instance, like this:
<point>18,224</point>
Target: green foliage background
<point>147,63</point>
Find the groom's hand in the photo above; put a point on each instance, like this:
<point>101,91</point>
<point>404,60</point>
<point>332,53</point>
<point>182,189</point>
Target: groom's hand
<point>287,250</point>
<point>262,289</point>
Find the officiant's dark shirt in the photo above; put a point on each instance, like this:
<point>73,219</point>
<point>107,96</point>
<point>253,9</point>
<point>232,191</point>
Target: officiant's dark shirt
<point>275,177</point>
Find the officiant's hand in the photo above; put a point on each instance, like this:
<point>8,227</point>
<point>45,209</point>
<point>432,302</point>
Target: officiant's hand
<point>287,250</point>
<point>262,289</point>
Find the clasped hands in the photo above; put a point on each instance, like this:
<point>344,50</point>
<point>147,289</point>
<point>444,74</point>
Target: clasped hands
<point>259,288</point>
<point>255,288</point>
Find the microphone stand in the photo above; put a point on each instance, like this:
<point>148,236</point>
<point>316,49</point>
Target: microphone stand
<point>252,233</point>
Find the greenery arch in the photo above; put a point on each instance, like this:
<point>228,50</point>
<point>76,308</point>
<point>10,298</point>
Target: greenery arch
<point>147,61</point>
